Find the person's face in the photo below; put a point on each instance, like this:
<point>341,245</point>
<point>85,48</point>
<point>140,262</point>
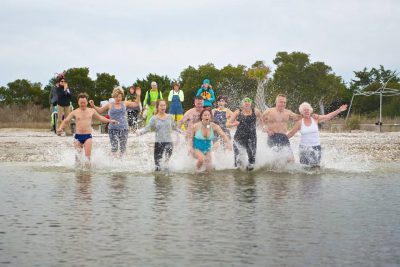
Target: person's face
<point>206,116</point>
<point>176,87</point>
<point>198,103</point>
<point>131,90</point>
<point>154,86</point>
<point>281,103</point>
<point>206,85</point>
<point>118,98</point>
<point>306,112</point>
<point>221,103</point>
<point>247,104</point>
<point>162,107</point>
<point>62,82</point>
<point>82,102</point>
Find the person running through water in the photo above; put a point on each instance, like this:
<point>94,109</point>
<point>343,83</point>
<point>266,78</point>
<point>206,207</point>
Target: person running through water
<point>207,93</point>
<point>176,98</point>
<point>277,119</point>
<point>83,118</point>
<point>221,115</point>
<point>192,115</point>
<point>310,146</point>
<point>201,140</point>
<point>133,113</point>
<point>118,133</point>
<point>245,137</point>
<point>149,103</point>
<point>163,124</point>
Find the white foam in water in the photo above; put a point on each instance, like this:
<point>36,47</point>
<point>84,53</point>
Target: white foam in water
<point>139,155</point>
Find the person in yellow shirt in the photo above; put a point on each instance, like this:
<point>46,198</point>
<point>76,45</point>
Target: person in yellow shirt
<point>149,103</point>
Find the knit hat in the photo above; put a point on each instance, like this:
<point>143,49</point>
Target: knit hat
<point>206,81</point>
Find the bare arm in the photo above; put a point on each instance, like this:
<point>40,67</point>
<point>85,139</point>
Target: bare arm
<point>102,118</point>
<point>259,117</point>
<point>184,119</point>
<point>190,138</point>
<point>131,104</point>
<point>331,115</point>
<point>295,129</point>
<point>65,121</point>
<point>222,133</point>
<point>294,116</point>
<point>100,110</point>
<point>232,121</point>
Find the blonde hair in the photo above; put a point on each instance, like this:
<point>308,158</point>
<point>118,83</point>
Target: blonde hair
<point>305,105</point>
<point>118,91</point>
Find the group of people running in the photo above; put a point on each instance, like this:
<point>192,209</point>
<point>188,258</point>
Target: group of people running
<point>205,128</point>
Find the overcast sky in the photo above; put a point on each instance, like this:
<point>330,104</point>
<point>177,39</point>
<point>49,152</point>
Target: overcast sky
<point>130,39</point>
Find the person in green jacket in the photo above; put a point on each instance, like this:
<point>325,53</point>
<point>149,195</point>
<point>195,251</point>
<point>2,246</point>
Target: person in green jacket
<point>150,100</point>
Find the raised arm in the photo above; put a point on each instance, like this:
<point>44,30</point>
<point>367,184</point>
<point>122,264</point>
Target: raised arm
<point>331,115</point>
<point>295,129</point>
<point>98,109</point>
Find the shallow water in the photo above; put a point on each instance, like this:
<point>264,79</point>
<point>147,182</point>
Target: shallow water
<point>119,213</point>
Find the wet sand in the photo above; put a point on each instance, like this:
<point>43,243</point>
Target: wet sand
<point>19,145</point>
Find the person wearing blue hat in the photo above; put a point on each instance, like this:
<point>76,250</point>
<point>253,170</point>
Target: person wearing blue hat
<point>207,93</point>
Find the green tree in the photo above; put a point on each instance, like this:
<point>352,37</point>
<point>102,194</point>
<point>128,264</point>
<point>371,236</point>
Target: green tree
<point>104,85</point>
<point>163,83</point>
<point>372,80</point>
<point>192,79</point>
<point>79,82</point>
<point>22,92</point>
<point>301,80</point>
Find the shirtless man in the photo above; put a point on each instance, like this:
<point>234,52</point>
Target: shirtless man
<point>83,118</point>
<point>192,115</point>
<point>277,119</point>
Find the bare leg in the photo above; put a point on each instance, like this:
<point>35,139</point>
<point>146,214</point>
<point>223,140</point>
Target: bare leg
<point>208,161</point>
<point>88,148</point>
<point>200,158</point>
<point>78,147</point>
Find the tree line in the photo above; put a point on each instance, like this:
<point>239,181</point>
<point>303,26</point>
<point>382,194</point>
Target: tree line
<point>295,76</point>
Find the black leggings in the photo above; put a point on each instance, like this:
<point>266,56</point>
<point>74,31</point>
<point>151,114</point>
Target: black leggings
<point>161,149</point>
<point>132,116</point>
<point>250,144</point>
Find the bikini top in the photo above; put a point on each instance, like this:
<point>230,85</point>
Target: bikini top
<point>199,134</point>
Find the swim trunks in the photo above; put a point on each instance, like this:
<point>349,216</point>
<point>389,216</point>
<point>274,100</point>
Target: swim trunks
<point>82,137</point>
<point>278,140</point>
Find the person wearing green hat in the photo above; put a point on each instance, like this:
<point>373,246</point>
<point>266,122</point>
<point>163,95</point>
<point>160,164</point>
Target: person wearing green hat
<point>207,93</point>
<point>245,137</point>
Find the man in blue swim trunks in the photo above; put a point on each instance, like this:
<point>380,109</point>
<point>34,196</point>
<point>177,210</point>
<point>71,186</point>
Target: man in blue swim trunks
<point>83,118</point>
<point>277,119</point>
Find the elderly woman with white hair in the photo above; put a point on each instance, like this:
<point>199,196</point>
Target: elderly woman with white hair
<point>118,133</point>
<point>310,147</point>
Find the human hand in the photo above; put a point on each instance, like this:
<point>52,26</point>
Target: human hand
<point>190,151</point>
<point>343,107</point>
<point>114,122</point>
<point>65,86</point>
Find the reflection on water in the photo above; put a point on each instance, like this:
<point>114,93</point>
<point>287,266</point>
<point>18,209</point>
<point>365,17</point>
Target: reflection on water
<point>90,217</point>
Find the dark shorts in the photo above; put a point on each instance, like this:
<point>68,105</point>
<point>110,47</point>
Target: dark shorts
<point>310,155</point>
<point>82,137</point>
<point>278,140</point>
